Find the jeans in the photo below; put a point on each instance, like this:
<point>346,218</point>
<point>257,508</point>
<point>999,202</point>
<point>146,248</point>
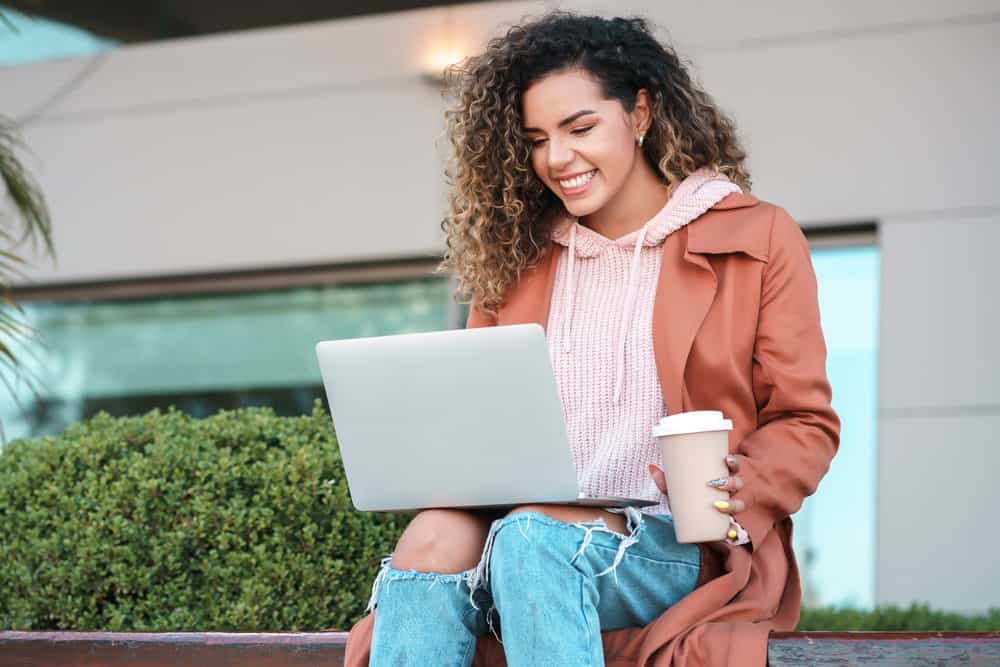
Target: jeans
<point>552,586</point>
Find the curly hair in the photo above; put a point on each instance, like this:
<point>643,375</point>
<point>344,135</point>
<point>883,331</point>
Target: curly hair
<point>499,213</point>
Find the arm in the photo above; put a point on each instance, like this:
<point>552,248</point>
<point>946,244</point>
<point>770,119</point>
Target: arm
<point>797,433</point>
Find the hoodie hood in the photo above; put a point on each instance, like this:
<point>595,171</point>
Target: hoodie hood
<point>696,194</point>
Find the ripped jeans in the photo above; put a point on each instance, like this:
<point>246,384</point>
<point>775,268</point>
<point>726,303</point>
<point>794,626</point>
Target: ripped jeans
<point>553,586</point>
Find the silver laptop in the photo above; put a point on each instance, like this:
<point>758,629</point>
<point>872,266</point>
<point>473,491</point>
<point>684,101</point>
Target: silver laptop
<point>464,418</point>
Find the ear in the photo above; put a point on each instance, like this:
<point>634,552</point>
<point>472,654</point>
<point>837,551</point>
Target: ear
<point>642,113</point>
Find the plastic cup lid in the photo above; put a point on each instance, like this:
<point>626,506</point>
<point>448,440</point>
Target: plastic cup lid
<point>700,421</point>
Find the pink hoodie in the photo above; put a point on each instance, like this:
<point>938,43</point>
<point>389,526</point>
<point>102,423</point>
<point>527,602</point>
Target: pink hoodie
<point>601,341</point>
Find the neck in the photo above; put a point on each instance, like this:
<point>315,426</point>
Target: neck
<point>640,198</point>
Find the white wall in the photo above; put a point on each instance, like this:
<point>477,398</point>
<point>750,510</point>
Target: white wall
<point>316,144</point>
<point>939,412</point>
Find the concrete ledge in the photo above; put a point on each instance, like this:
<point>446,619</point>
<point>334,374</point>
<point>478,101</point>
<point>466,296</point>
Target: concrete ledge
<point>912,649</point>
<point>234,649</point>
<point>173,649</point>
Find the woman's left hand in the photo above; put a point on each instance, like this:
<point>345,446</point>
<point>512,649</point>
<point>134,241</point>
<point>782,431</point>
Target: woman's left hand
<point>732,484</point>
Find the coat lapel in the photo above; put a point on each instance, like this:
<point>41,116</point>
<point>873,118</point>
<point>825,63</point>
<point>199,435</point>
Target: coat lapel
<point>684,292</point>
<point>686,289</point>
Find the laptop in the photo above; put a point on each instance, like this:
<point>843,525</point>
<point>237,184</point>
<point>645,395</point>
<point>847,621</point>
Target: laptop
<point>465,418</point>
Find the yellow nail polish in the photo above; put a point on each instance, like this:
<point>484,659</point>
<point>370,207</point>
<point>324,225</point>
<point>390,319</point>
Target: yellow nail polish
<point>732,534</point>
<point>721,505</point>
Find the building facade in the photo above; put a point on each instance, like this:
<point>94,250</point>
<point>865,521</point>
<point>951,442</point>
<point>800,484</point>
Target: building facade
<point>222,202</point>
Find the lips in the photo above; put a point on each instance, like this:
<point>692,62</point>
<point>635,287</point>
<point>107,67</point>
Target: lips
<point>577,183</point>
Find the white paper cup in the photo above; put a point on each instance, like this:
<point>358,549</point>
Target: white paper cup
<point>694,446</point>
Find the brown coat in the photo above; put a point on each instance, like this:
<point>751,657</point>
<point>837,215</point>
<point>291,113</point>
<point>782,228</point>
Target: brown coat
<point>735,328</point>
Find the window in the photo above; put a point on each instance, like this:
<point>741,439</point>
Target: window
<point>25,39</point>
<point>207,352</point>
<point>835,530</point>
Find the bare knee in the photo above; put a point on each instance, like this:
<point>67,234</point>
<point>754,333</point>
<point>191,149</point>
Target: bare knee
<point>441,540</point>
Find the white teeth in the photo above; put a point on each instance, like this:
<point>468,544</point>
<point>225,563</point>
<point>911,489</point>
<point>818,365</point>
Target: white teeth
<point>577,181</point>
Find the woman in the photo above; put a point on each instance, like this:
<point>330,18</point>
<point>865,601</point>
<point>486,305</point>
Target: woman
<point>600,193</point>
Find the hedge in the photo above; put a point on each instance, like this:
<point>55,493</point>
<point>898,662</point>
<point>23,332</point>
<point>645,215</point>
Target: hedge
<point>240,521</point>
<point>915,618</point>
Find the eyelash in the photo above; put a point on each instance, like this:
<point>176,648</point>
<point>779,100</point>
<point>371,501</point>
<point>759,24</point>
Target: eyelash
<point>577,131</point>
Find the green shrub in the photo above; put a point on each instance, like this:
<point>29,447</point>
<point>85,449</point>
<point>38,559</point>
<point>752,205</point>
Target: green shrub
<point>916,618</point>
<point>241,521</point>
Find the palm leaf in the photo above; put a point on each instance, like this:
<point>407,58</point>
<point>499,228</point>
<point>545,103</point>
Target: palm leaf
<point>24,218</point>
<point>7,22</point>
<point>31,214</point>
<point>12,257</point>
<point>10,271</point>
<point>8,301</point>
<point>12,327</point>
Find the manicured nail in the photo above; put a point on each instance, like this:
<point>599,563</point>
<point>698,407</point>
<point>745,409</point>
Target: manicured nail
<point>732,534</point>
<point>731,460</point>
<point>721,505</point>
<point>717,483</point>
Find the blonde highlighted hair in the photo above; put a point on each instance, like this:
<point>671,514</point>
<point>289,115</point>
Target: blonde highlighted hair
<point>499,213</point>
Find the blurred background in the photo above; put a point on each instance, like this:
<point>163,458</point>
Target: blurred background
<point>231,182</point>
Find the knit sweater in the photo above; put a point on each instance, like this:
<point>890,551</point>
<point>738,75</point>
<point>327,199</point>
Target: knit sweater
<point>600,340</point>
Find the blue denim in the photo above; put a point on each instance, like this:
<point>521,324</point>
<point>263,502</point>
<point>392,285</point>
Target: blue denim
<point>553,586</point>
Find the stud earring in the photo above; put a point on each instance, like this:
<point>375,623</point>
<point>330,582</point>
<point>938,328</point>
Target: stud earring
<point>640,139</point>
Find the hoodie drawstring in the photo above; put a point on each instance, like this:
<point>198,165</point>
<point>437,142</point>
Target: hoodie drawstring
<point>631,294</point>
<point>568,324</point>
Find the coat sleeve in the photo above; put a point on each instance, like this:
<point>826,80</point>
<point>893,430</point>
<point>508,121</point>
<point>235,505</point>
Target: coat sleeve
<point>797,434</point>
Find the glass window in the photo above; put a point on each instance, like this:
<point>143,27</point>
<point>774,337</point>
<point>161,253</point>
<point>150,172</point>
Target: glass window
<point>835,530</point>
<point>26,38</point>
<point>204,353</point>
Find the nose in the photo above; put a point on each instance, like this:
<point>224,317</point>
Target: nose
<point>560,156</point>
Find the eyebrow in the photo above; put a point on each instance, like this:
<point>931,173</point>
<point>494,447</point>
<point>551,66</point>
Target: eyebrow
<point>565,121</point>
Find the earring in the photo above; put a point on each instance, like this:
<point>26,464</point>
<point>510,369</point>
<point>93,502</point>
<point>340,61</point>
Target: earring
<point>640,139</point>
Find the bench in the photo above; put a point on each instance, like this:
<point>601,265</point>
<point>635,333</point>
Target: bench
<point>226,649</point>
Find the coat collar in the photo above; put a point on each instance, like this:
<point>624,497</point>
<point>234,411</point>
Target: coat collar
<point>685,288</point>
<point>716,234</point>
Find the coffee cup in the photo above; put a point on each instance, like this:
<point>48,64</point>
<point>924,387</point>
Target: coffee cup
<point>694,446</point>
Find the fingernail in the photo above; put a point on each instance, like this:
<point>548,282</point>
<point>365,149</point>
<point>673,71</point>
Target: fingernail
<point>732,534</point>
<point>717,483</point>
<point>721,505</point>
<point>731,460</point>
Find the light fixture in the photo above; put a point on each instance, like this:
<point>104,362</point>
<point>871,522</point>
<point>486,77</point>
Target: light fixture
<point>447,51</point>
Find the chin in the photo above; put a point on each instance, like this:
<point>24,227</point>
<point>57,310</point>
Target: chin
<point>579,208</point>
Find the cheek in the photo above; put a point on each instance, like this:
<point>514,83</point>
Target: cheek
<point>614,157</point>
<point>538,163</point>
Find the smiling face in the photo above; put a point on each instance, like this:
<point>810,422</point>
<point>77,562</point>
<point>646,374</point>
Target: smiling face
<point>583,145</point>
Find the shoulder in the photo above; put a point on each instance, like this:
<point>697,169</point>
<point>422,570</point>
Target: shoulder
<point>742,223</point>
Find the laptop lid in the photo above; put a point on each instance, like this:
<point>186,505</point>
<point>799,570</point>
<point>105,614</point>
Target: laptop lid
<point>448,419</point>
